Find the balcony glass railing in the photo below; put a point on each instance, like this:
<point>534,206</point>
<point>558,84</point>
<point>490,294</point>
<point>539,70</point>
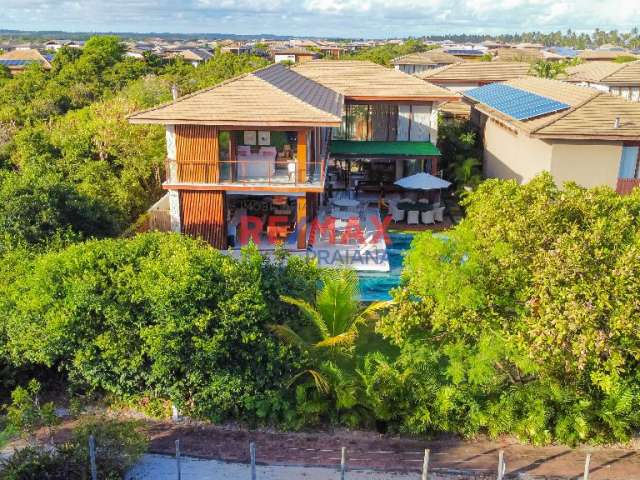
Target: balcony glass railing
<point>267,172</point>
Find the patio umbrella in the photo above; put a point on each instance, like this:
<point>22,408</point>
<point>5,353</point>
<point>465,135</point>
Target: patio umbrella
<point>422,181</point>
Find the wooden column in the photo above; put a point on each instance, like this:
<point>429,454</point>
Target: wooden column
<point>301,221</point>
<point>434,165</point>
<point>301,154</point>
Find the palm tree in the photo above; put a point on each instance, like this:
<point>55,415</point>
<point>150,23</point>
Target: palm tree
<point>334,322</point>
<point>466,173</point>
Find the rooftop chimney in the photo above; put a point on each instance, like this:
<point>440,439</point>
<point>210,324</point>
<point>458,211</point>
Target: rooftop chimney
<point>174,92</point>
<point>616,123</point>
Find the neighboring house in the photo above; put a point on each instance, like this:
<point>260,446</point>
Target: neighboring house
<point>17,60</point>
<point>413,63</point>
<point>294,55</point>
<point>603,55</point>
<point>466,53</point>
<point>260,144</point>
<point>520,55</point>
<point>579,134</point>
<point>459,77</point>
<point>195,56</point>
<point>56,45</point>
<point>465,76</point>
<point>236,48</point>
<point>618,78</point>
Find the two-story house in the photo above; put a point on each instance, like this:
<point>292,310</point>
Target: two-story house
<point>258,146</point>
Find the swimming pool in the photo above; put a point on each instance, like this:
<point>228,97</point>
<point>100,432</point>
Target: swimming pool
<point>375,286</point>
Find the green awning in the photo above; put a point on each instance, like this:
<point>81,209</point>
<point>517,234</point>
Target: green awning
<point>383,149</point>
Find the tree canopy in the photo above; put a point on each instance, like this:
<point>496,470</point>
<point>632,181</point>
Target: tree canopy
<point>522,319</point>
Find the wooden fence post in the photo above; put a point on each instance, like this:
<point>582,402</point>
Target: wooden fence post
<point>92,457</point>
<point>425,465</point>
<point>252,454</point>
<point>501,465</point>
<point>343,463</point>
<point>178,466</point>
<point>587,463</point>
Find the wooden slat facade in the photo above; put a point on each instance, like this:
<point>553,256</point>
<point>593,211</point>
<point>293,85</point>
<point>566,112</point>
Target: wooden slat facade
<point>197,154</point>
<point>202,214</point>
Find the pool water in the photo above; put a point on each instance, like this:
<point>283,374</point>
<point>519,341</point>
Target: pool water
<point>375,286</point>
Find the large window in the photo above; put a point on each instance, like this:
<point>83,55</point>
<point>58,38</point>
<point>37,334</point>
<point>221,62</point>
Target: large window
<point>630,162</point>
<point>385,122</point>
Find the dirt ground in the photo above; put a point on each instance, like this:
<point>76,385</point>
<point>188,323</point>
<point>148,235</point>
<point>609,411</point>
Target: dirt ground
<point>475,459</point>
<point>372,451</point>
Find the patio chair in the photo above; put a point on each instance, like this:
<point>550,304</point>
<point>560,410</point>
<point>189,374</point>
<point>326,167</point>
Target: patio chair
<point>244,150</point>
<point>413,217</point>
<point>423,200</point>
<point>436,204</point>
<point>428,217</point>
<point>438,214</point>
<point>397,215</point>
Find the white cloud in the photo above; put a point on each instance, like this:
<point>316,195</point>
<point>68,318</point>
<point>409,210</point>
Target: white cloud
<point>372,18</point>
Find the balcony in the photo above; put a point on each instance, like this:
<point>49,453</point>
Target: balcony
<point>245,172</point>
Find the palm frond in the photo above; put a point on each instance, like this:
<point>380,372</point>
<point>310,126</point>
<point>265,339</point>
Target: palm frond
<point>286,334</point>
<point>346,338</point>
<point>373,309</point>
<point>321,383</point>
<point>311,313</point>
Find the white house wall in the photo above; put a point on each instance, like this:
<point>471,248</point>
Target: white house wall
<point>174,197</point>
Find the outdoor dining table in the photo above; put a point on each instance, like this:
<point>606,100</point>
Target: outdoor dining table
<point>418,206</point>
<point>345,202</point>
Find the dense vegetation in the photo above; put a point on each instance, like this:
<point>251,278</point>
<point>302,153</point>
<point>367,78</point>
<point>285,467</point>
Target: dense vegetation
<point>70,164</point>
<point>385,53</point>
<point>158,315</point>
<point>582,40</point>
<point>523,320</point>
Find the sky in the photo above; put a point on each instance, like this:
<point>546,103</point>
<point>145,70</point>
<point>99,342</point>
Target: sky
<point>330,18</point>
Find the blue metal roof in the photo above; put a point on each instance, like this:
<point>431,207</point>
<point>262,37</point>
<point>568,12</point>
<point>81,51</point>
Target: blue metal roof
<point>516,103</point>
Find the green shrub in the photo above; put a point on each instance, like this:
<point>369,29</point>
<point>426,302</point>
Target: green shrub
<point>521,321</point>
<point>159,315</point>
<point>118,447</point>
<point>26,414</point>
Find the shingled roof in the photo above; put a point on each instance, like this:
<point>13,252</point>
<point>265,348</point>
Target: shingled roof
<point>608,73</point>
<point>592,115</point>
<point>430,57</point>
<point>272,96</point>
<point>362,80</point>
<point>476,72</point>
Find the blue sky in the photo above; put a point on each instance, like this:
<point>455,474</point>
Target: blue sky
<point>349,18</point>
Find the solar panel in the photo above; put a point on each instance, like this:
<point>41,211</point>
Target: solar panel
<point>14,63</point>
<point>516,103</point>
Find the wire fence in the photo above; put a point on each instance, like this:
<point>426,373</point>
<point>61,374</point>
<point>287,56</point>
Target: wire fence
<point>425,474</point>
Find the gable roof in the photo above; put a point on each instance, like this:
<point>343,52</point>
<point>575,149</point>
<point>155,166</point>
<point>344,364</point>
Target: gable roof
<point>27,56</point>
<point>430,57</point>
<point>362,80</point>
<point>591,114</point>
<point>608,73</point>
<point>272,96</point>
<point>603,54</point>
<point>476,71</point>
